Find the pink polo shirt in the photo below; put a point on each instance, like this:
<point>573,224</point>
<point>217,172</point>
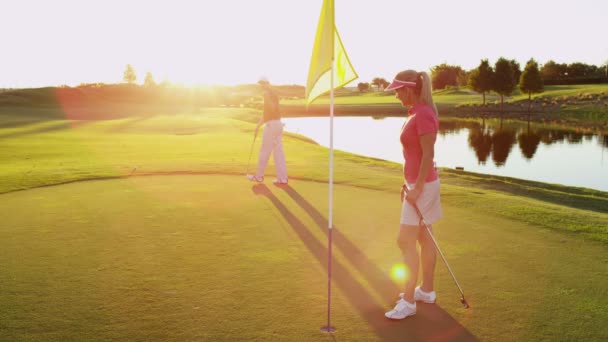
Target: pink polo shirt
<point>421,120</point>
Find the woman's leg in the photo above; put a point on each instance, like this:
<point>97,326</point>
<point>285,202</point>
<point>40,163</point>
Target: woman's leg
<point>428,257</point>
<point>408,235</point>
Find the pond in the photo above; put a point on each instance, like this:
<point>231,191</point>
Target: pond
<point>514,149</point>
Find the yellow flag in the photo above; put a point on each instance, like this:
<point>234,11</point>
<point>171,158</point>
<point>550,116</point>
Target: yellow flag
<point>328,46</point>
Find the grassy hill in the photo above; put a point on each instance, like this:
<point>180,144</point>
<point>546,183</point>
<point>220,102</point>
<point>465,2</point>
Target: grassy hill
<point>580,105</point>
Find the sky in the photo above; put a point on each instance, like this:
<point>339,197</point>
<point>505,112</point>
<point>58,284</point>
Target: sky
<point>212,42</point>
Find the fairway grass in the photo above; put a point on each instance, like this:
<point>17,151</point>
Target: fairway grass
<point>457,96</point>
<point>145,229</point>
<point>217,258</point>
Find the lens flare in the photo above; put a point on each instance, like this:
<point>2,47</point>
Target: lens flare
<point>399,272</point>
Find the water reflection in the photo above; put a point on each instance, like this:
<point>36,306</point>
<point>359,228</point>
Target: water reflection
<point>480,139</point>
<point>502,142</point>
<point>497,139</point>
<point>528,143</point>
<point>552,154</point>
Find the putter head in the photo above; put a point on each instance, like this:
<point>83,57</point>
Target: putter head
<point>464,303</point>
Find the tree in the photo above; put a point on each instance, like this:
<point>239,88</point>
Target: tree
<point>380,82</point>
<point>516,70</point>
<point>480,79</point>
<point>129,75</point>
<point>149,80</point>
<point>578,69</point>
<point>363,86</point>
<point>531,81</point>
<point>503,82</point>
<point>573,73</point>
<point>553,71</point>
<point>444,75</point>
<point>384,83</point>
<point>463,78</point>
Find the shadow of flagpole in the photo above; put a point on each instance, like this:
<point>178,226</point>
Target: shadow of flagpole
<point>431,323</point>
<point>384,285</point>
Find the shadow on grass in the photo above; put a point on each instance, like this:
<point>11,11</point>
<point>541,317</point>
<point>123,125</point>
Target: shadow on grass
<point>10,122</point>
<point>127,124</point>
<point>573,197</point>
<point>430,323</point>
<point>55,126</point>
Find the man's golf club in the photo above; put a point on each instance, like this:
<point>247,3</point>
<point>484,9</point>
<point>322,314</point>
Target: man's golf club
<point>255,135</point>
<point>462,300</point>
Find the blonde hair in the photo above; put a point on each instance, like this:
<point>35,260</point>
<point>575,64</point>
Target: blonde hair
<point>423,89</point>
<point>426,92</point>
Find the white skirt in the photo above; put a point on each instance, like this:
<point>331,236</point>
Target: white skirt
<point>429,204</point>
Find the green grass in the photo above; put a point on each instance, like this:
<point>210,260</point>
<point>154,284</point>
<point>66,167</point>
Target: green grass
<point>457,96</point>
<point>572,90</point>
<point>168,241</point>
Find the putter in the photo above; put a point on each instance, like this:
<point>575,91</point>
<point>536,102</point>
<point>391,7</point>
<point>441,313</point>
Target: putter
<point>251,151</point>
<point>462,299</point>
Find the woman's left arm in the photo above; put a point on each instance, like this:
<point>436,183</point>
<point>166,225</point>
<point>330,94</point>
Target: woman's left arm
<point>427,144</point>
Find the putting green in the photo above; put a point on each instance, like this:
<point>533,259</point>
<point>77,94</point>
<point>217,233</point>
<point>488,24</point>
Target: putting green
<point>212,257</point>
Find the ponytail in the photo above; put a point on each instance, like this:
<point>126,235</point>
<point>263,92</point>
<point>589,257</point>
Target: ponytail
<point>426,92</point>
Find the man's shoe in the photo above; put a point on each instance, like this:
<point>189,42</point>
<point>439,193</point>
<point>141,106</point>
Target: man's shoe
<point>254,178</point>
<point>427,297</point>
<point>279,182</point>
<point>402,310</point>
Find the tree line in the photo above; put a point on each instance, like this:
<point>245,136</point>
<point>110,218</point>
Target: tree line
<point>506,75</point>
<point>551,73</point>
<point>130,77</point>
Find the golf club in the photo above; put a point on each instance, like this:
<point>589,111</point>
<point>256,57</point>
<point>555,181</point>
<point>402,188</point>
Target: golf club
<point>255,135</point>
<point>462,300</point>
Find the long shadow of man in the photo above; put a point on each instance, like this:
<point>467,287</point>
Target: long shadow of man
<point>431,323</point>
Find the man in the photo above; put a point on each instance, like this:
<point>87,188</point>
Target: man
<point>272,140</point>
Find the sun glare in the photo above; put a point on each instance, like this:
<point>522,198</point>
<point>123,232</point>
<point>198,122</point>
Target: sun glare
<point>399,272</point>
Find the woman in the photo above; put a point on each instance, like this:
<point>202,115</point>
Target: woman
<point>421,187</point>
<point>272,141</point>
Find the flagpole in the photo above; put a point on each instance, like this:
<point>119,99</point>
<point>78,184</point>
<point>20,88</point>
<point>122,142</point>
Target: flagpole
<point>329,328</point>
<point>328,49</point>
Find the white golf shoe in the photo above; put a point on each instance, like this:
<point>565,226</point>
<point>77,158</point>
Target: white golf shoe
<point>426,297</point>
<point>255,178</point>
<point>402,310</point>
